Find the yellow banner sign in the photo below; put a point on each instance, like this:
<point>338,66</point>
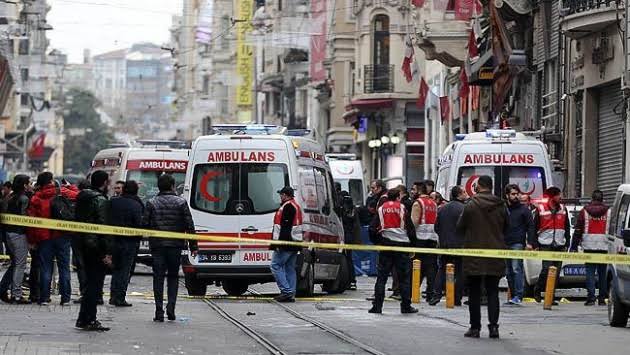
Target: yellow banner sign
<point>244,56</point>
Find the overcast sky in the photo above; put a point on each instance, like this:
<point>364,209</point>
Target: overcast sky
<point>104,25</point>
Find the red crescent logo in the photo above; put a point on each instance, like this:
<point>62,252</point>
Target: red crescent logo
<point>530,192</point>
<point>471,183</point>
<point>204,185</point>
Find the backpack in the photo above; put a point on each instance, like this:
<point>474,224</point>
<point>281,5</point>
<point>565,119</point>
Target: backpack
<point>61,208</point>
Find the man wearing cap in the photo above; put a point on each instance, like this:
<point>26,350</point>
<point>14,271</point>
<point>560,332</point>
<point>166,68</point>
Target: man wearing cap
<point>553,231</point>
<point>287,226</point>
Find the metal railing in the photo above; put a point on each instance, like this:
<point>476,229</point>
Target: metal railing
<point>577,6</point>
<point>378,78</point>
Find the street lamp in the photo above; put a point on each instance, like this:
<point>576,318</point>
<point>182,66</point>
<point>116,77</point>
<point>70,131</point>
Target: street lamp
<point>385,140</point>
<point>395,140</point>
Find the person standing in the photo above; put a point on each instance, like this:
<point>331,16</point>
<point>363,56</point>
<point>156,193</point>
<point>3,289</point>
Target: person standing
<point>486,207</point>
<point>520,229</point>
<point>168,212</point>
<point>77,256</point>
<point>6,192</point>
<point>590,232</point>
<point>430,184</point>
<point>118,188</point>
<point>51,245</point>
<point>351,232</point>
<point>96,249</point>
<point>127,211</point>
<point>287,226</point>
<point>18,245</point>
<point>424,215</point>
<point>445,227</point>
<point>388,228</point>
<point>552,231</point>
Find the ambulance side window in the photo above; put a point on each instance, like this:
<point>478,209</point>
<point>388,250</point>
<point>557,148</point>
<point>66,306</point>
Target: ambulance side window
<point>622,215</point>
<point>324,190</point>
<point>308,189</point>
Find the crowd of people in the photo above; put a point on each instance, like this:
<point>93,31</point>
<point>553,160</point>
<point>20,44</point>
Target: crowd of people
<point>481,221</point>
<point>92,254</point>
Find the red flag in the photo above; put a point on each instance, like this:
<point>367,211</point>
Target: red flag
<point>417,3</point>
<point>472,45</point>
<point>37,147</point>
<point>445,109</point>
<point>424,90</point>
<point>464,89</point>
<point>406,64</point>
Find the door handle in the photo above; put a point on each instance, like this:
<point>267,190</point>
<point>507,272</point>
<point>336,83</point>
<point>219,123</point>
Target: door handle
<point>249,229</point>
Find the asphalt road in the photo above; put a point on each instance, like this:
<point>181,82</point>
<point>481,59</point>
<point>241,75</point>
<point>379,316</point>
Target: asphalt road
<point>320,325</point>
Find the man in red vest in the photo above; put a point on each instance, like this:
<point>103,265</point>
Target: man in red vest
<point>553,231</point>
<point>590,232</point>
<point>424,215</point>
<point>388,228</point>
<point>287,226</point>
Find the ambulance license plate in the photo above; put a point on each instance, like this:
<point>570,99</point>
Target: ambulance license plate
<point>224,257</point>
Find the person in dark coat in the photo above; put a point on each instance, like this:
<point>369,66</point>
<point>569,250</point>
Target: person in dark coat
<point>483,223</point>
<point>92,206</point>
<point>77,257</point>
<point>167,212</point>
<point>445,227</point>
<point>127,211</point>
<point>351,232</point>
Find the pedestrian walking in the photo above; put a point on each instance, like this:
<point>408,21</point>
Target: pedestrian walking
<point>590,232</point>
<point>17,242</point>
<point>127,211</point>
<point>520,229</point>
<point>449,238</point>
<point>552,232</point>
<point>77,253</point>
<point>287,226</point>
<point>351,232</point>
<point>168,212</point>
<point>483,224</point>
<point>51,245</point>
<point>92,206</point>
<point>388,228</point>
<point>424,215</point>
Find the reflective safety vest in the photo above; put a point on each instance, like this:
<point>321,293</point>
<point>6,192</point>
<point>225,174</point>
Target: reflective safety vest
<point>425,229</point>
<point>297,230</point>
<point>595,228</point>
<point>551,225</point>
<point>392,217</point>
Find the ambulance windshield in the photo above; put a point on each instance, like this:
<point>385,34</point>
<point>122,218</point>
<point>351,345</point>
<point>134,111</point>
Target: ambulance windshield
<point>233,188</point>
<point>148,182</point>
<point>530,179</point>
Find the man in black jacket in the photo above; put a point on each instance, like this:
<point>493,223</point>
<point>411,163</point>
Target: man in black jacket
<point>92,206</point>
<point>445,227</point>
<point>126,211</point>
<point>167,212</point>
<point>520,228</point>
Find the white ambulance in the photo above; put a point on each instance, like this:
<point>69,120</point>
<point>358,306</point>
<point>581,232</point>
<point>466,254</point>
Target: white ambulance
<point>231,187</point>
<point>347,170</point>
<point>143,161</point>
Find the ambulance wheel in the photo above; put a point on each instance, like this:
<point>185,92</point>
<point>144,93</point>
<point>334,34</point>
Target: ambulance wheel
<point>306,284</point>
<point>235,288</point>
<point>617,311</point>
<point>340,284</point>
<point>195,286</point>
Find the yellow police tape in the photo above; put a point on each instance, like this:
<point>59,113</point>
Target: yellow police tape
<point>485,253</point>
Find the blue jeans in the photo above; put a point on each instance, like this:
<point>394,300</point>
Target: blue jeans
<point>283,270</point>
<point>58,249</point>
<point>515,274</point>
<point>590,281</point>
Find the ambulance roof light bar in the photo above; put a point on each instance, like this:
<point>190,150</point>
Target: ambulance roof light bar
<point>162,143</point>
<point>250,129</point>
<point>460,136</point>
<point>500,133</point>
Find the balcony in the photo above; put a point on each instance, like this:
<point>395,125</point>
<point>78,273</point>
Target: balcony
<point>378,78</point>
<point>581,17</point>
<point>445,39</point>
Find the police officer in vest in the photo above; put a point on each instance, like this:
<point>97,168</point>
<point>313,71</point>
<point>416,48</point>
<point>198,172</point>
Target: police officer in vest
<point>388,228</point>
<point>287,226</point>
<point>552,233</point>
<point>423,216</point>
<point>590,232</point>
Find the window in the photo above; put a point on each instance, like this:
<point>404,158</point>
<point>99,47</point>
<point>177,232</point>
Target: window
<point>619,219</point>
<point>147,182</point>
<point>354,187</point>
<point>206,85</point>
<point>381,40</point>
<point>24,46</point>
<point>324,190</point>
<point>24,74</point>
<point>233,189</point>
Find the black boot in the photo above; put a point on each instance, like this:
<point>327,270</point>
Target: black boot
<point>170,312</point>
<point>472,333</point>
<point>159,315</point>
<point>494,331</point>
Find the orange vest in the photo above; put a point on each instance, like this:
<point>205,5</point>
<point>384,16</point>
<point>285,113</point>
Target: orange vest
<point>425,229</point>
<point>551,226</point>
<point>296,231</point>
<point>392,217</point>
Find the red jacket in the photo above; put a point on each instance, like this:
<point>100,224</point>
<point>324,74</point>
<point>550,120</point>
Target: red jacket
<point>39,206</point>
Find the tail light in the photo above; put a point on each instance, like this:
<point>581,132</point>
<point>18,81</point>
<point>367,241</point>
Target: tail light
<point>188,269</point>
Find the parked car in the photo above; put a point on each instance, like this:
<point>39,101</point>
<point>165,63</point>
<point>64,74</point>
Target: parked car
<point>572,275</point>
<point>619,275</point>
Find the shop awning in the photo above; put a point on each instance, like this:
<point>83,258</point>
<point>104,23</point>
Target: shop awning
<point>372,103</point>
<point>350,116</point>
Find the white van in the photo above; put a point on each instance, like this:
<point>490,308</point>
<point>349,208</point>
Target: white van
<point>618,274</point>
<point>348,171</point>
<point>144,162</point>
<point>231,187</point>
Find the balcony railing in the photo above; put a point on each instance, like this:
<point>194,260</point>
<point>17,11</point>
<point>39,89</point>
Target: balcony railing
<point>576,6</point>
<point>379,78</point>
